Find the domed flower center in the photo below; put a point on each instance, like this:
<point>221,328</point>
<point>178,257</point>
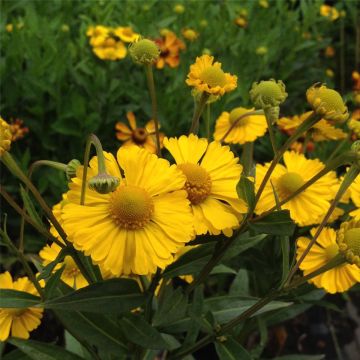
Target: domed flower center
<point>330,100</point>
<point>269,90</point>
<point>15,311</point>
<point>198,184</point>
<point>213,76</point>
<point>331,251</point>
<point>236,113</point>
<point>131,207</point>
<point>289,183</point>
<point>352,239</point>
<point>71,268</point>
<point>139,136</point>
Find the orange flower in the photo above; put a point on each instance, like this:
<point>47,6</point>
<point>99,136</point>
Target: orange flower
<point>356,79</point>
<point>142,137</point>
<point>17,129</point>
<point>170,46</point>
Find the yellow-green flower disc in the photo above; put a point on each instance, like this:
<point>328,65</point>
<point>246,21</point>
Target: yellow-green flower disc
<point>267,94</point>
<point>144,51</point>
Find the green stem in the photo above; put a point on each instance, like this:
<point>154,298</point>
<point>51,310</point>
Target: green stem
<point>152,91</point>
<point>271,130</point>
<point>207,121</point>
<point>348,180</point>
<point>199,108</point>
<point>247,158</point>
<point>151,291</point>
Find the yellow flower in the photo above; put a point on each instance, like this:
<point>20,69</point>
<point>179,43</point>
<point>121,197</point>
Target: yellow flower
<point>212,173</point>
<point>126,34</point>
<point>140,225</point>
<point>110,49</point>
<point>179,8</point>
<point>329,12</point>
<point>338,279</point>
<point>207,76</point>
<point>348,239</point>
<point>327,102</point>
<point>20,322</point>
<point>143,137</point>
<point>241,22</point>
<point>354,192</point>
<point>306,207</point>
<point>9,27</point>
<point>264,4</point>
<point>321,131</point>
<point>329,73</point>
<point>5,136</point>
<point>190,34</point>
<point>97,34</point>
<point>170,46</point>
<point>354,122</point>
<point>247,129</point>
<point>261,50</point>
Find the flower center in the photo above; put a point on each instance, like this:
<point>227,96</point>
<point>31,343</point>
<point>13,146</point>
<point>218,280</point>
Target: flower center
<point>331,251</point>
<point>198,182</point>
<point>330,100</point>
<point>131,207</point>
<point>71,268</point>
<point>352,239</point>
<point>139,136</point>
<point>236,113</point>
<point>213,76</point>
<point>289,183</point>
<point>269,90</point>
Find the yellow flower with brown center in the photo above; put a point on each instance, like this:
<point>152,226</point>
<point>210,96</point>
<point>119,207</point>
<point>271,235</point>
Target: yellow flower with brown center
<point>170,46</point>
<point>321,131</point>
<point>143,137</point>
<point>190,34</point>
<point>327,102</point>
<point>5,136</point>
<point>348,238</point>
<point>140,225</point>
<point>329,12</point>
<point>247,129</point>
<point>18,322</point>
<point>306,207</point>
<point>208,77</point>
<point>212,173</point>
<point>126,34</point>
<point>338,279</point>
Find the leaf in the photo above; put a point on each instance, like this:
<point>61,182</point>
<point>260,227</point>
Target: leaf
<point>110,296</point>
<point>231,350</point>
<point>246,191</point>
<point>17,299</point>
<point>300,357</point>
<point>15,355</point>
<point>41,351</point>
<point>140,332</point>
<point>53,283</point>
<point>29,206</point>
<point>172,307</point>
<point>49,268</point>
<point>276,223</point>
<point>240,285</point>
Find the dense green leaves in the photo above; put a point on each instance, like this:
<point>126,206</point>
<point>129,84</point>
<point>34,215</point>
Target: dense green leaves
<point>230,349</point>
<point>110,296</point>
<point>17,299</point>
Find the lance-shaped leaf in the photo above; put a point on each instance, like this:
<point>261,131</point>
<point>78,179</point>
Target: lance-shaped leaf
<point>230,349</point>
<point>17,299</point>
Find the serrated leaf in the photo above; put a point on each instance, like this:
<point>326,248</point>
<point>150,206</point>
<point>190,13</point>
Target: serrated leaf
<point>276,223</point>
<point>110,296</point>
<point>140,332</point>
<point>41,351</point>
<point>17,299</point>
<point>230,349</point>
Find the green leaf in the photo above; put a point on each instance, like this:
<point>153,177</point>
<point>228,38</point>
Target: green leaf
<point>240,285</point>
<point>246,191</point>
<point>15,355</point>
<point>110,296</point>
<point>49,268</point>
<point>222,269</point>
<point>140,332</point>
<point>172,307</point>
<point>17,299</point>
<point>231,350</point>
<point>276,223</point>
<point>300,357</point>
<point>52,283</point>
<point>41,351</point>
<point>29,206</point>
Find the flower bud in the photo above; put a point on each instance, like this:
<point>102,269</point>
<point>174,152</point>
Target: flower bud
<point>104,183</point>
<point>144,51</point>
<point>268,94</point>
<point>71,168</point>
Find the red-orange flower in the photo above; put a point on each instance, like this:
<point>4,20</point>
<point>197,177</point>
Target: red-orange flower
<point>170,46</point>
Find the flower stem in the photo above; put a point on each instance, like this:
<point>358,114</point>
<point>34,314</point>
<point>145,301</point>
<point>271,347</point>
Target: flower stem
<point>199,108</point>
<point>154,108</point>
<point>207,121</point>
<point>271,130</point>
<point>247,158</point>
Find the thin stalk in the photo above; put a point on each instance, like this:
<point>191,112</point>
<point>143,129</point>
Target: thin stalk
<point>271,131</point>
<point>339,147</point>
<point>247,158</point>
<point>333,335</point>
<point>152,91</point>
<point>151,291</point>
<point>233,125</point>
<point>348,179</point>
<point>207,121</point>
<point>199,108</point>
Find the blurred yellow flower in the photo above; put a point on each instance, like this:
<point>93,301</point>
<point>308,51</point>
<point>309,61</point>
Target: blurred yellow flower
<point>247,129</point>
<point>264,3</point>
<point>354,122</point>
<point>329,73</point>
<point>190,34</point>
<point>5,136</point>
<point>206,76</point>
<point>261,50</point>
<point>179,8</point>
<point>9,27</point>
<point>170,46</point>
<point>241,21</point>
<point>18,321</point>
<point>126,34</point>
<point>329,12</point>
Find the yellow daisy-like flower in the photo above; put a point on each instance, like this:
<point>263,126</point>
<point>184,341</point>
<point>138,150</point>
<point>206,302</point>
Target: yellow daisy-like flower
<point>354,191</point>
<point>5,136</point>
<point>18,322</point>
<point>348,238</point>
<point>329,12</point>
<point>246,130</point>
<point>140,225</point>
<point>97,34</point>
<point>212,173</point>
<point>126,34</point>
<point>190,34</point>
<point>143,137</point>
<point>338,279</point>
<point>354,122</point>
<point>306,207</point>
<point>209,77</point>
<point>321,131</point>
<point>110,49</point>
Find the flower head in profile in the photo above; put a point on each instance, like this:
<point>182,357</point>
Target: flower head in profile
<point>189,34</point>
<point>15,321</point>
<point>170,46</point>
<point>338,279</point>
<point>5,136</point>
<point>140,225</point>
<point>212,173</point>
<point>328,103</point>
<point>207,76</point>
<point>143,137</point>
<point>348,238</point>
<point>126,34</point>
<point>354,123</point>
<point>247,129</point>
<point>268,93</point>
<point>306,207</point>
<point>329,12</point>
<point>354,194</point>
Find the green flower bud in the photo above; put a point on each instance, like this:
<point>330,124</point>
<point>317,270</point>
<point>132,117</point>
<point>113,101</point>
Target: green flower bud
<point>268,94</point>
<point>103,183</point>
<point>71,168</point>
<point>144,51</point>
